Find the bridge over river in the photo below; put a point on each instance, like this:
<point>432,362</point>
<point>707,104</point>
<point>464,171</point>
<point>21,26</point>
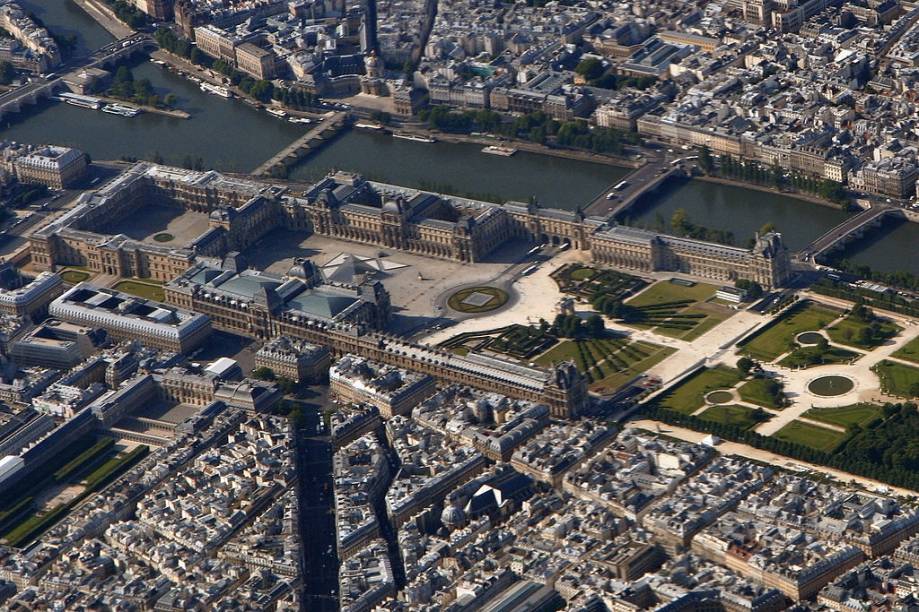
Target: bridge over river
<point>37,88</point>
<point>850,229</point>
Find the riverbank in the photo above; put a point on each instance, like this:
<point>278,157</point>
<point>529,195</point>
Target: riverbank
<point>174,113</point>
<point>529,147</point>
<point>797,195</point>
<point>105,17</point>
<point>205,74</point>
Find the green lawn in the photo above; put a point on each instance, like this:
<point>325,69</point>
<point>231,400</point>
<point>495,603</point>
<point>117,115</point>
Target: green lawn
<point>678,311</point>
<point>849,329</point>
<point>75,277</point>
<point>615,380</point>
<point>608,362</point>
<point>89,461</point>
<point>814,436</point>
<point>664,291</point>
<point>909,351</point>
<point>732,414</point>
<point>778,338</point>
<point>898,379</point>
<point>756,391</point>
<point>498,298</point>
<point>147,290</point>
<point>846,416</point>
<point>809,356</point>
<point>563,351</point>
<point>689,395</point>
<point>583,274</point>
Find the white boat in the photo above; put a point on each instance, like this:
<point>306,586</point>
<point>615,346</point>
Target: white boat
<point>300,120</point>
<point>120,109</point>
<point>216,90</point>
<point>277,112</point>
<point>413,137</point>
<point>81,101</point>
<point>502,151</point>
<point>368,126</point>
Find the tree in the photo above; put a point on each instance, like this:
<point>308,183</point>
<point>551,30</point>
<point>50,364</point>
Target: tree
<point>263,373</point>
<point>123,75</point>
<point>679,220</point>
<point>706,162</point>
<point>7,73</point>
<point>595,326</point>
<point>170,99</point>
<point>590,68</point>
<point>767,228</point>
<point>745,364</point>
<point>286,385</point>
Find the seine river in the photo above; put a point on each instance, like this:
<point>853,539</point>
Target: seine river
<point>232,136</point>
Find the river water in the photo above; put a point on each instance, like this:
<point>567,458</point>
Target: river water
<point>740,210</point>
<point>232,136</point>
<point>463,169</point>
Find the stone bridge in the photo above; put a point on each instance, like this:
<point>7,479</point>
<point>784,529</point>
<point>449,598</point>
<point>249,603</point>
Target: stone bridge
<point>38,88</point>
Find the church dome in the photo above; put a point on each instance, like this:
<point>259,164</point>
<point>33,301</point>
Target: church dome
<point>453,516</point>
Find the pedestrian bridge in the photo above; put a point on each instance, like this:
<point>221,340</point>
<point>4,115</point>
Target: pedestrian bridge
<point>850,229</point>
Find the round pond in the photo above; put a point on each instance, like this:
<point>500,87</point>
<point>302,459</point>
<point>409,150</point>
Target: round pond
<point>831,386</point>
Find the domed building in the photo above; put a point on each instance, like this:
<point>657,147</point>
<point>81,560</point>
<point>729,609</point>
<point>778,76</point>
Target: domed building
<point>373,82</point>
<point>453,517</point>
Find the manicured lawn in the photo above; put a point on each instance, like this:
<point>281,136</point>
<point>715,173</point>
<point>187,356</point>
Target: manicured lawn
<point>849,329</point>
<point>612,382</point>
<point>563,351</point>
<point>689,395</point>
<point>810,356</point>
<point>898,379</point>
<point>664,291</point>
<point>89,461</point>
<point>583,274</point>
<point>75,276</point>
<point>846,416</point>
<point>458,301</point>
<point>714,314</point>
<point>756,391</point>
<point>814,436</point>
<point>145,290</point>
<point>779,337</point>
<point>732,414</point>
<point>677,311</point>
<point>608,362</point>
<point>909,351</point>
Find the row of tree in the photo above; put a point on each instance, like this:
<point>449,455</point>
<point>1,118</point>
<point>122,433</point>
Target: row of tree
<point>140,91</point>
<point>901,278</point>
<point>773,176</point>
<point>886,301</point>
<point>128,14</point>
<point>573,326</point>
<point>886,450</point>
<point>682,225</point>
<point>536,127</point>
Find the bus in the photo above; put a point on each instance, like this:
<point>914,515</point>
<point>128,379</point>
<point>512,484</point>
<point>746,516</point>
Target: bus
<point>621,185</point>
